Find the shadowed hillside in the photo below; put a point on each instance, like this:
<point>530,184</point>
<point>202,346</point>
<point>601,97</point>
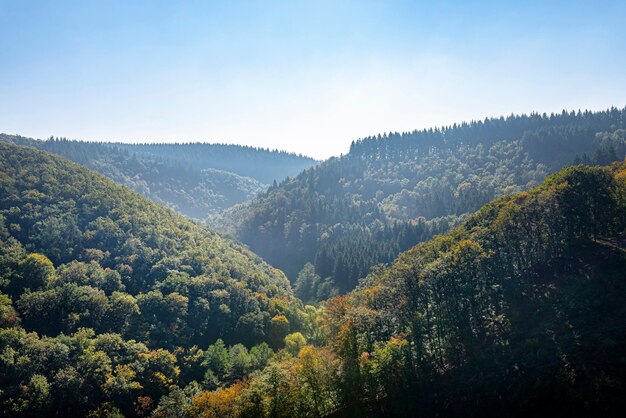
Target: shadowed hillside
<point>517,312</point>
<point>391,192</point>
<point>195,179</point>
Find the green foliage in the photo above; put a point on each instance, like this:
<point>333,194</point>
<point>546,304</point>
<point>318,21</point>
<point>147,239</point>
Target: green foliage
<point>393,191</point>
<point>240,360</point>
<point>124,243</point>
<point>517,312</point>
<point>136,290</point>
<point>63,308</point>
<point>114,306</point>
<point>261,355</point>
<point>294,342</point>
<point>177,402</point>
<point>36,271</point>
<point>106,410</point>
<point>217,359</point>
<point>8,316</point>
<point>310,287</point>
<point>279,328</point>
<point>195,179</point>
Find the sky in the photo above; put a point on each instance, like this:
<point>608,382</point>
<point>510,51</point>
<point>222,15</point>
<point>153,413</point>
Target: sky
<point>307,77</point>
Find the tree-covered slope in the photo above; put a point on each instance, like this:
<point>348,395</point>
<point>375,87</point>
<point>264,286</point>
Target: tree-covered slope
<point>195,179</point>
<point>262,164</point>
<point>393,191</point>
<point>106,296</point>
<point>517,312</point>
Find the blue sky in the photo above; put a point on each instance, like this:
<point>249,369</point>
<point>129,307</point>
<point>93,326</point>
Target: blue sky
<point>301,76</point>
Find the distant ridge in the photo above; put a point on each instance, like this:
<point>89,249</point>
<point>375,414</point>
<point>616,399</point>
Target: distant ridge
<point>195,179</point>
<point>392,191</point>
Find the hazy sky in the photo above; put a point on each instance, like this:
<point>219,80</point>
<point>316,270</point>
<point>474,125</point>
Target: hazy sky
<point>301,76</point>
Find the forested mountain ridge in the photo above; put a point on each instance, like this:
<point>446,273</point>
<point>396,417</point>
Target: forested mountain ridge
<point>195,179</point>
<point>262,164</point>
<point>112,305</point>
<point>106,296</point>
<point>517,312</point>
<point>393,191</point>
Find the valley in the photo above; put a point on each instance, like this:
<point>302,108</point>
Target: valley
<point>434,274</point>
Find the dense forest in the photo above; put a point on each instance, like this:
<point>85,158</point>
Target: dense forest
<point>195,179</point>
<point>428,219</point>
<point>113,305</point>
<point>392,191</point>
<point>106,297</point>
<point>262,164</point>
<point>517,312</point>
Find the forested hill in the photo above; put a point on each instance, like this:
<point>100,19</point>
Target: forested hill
<point>518,312</point>
<point>261,164</point>
<point>393,191</point>
<point>195,179</point>
<point>105,296</point>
